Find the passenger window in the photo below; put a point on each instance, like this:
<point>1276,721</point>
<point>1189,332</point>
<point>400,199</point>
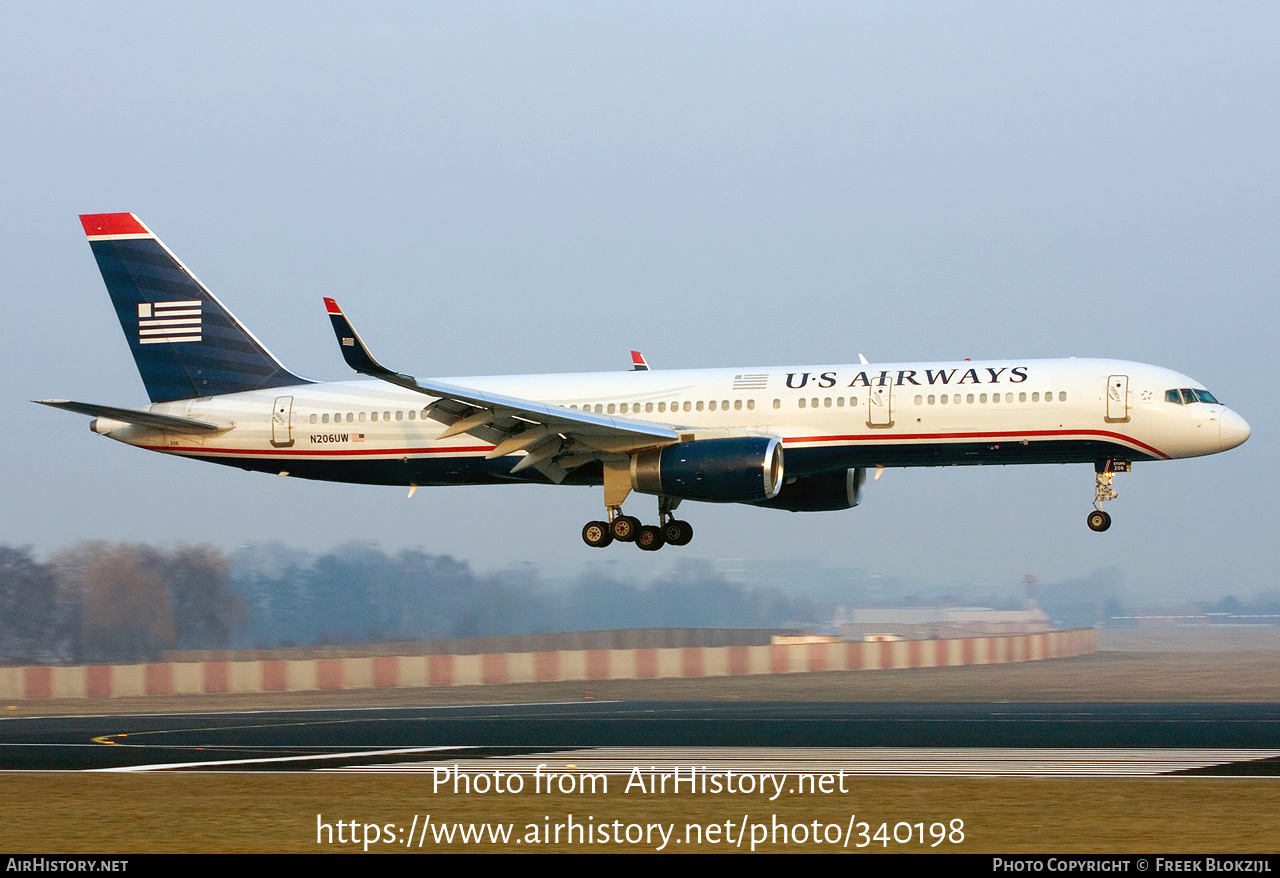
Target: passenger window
<point>802,402</point>
<point>662,406</point>
<point>712,405</point>
<point>1062,396</point>
<point>1022,397</point>
<point>412,415</point>
<point>944,399</point>
<point>1008,397</point>
<point>399,416</point>
<point>623,408</point>
<point>373,417</point>
<point>611,409</point>
<point>687,406</point>
<point>969,398</point>
<point>826,403</point>
<point>314,418</point>
<point>751,404</point>
<point>699,406</point>
<point>982,397</point>
<point>737,405</point>
<point>932,399</point>
<point>724,405</point>
<point>919,399</point>
<point>853,401</point>
<point>386,416</point>
<point>777,403</point>
<point>839,402</point>
<point>1035,397</point>
<point>815,402</point>
<point>324,419</point>
<point>363,415</point>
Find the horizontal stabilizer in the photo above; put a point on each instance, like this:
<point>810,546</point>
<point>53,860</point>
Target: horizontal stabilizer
<point>154,420</point>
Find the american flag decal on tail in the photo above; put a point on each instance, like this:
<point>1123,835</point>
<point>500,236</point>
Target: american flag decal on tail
<point>168,321</point>
<point>750,382</point>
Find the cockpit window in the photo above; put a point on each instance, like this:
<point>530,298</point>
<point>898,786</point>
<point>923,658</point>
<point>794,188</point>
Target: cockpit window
<point>1187,395</point>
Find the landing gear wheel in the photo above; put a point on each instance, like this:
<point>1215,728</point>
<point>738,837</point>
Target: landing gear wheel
<point>624,528</point>
<point>1099,520</point>
<point>596,534</point>
<point>677,533</point>
<point>649,538</point>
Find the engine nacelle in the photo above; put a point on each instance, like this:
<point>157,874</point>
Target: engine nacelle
<point>823,492</point>
<point>733,470</point>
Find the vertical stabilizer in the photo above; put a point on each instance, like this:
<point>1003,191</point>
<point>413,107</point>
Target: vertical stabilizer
<point>185,342</point>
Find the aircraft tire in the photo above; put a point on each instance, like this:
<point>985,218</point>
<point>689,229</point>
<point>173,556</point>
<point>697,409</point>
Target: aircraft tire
<point>624,528</point>
<point>1099,520</point>
<point>678,533</point>
<point>596,534</point>
<point>649,538</point>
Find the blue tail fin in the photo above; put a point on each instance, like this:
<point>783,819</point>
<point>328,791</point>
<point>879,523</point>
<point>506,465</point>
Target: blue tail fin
<point>185,342</point>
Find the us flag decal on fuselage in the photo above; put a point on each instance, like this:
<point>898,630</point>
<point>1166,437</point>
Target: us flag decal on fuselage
<point>168,321</point>
<point>750,382</point>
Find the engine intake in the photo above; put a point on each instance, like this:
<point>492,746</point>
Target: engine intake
<point>734,470</point>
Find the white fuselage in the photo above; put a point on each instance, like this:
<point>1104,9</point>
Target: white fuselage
<point>886,414</point>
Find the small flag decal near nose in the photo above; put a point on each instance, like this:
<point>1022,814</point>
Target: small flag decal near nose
<point>168,321</point>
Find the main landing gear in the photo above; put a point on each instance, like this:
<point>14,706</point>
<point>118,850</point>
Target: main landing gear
<point>628,529</point>
<point>1105,472</point>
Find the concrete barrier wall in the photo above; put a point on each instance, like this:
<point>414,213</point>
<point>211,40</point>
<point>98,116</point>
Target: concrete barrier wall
<point>377,672</point>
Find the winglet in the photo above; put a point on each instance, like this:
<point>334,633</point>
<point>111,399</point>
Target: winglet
<point>638,363</point>
<point>356,353</point>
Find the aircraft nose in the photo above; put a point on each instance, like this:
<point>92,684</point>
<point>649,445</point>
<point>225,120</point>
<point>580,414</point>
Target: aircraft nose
<point>1232,430</point>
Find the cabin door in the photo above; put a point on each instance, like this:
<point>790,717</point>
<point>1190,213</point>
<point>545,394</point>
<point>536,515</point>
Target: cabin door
<point>282,422</point>
<point>880,404</point>
<point>1118,398</point>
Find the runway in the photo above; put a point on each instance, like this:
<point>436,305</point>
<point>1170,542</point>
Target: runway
<point>1101,739</point>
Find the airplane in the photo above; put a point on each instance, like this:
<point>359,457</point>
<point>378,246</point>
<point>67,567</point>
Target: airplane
<point>796,438</point>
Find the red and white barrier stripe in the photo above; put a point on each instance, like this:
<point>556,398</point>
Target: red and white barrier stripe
<point>309,675</point>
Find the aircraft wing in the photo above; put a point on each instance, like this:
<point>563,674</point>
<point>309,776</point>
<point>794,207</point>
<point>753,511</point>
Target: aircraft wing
<point>154,420</point>
<point>556,439</point>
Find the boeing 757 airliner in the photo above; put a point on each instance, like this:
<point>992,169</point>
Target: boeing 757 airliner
<point>799,438</point>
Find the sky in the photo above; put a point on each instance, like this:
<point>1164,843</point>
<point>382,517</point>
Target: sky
<point>505,188</point>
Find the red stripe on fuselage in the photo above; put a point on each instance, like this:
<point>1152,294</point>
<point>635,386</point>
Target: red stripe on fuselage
<point>1008,435</point>
<point>337,452</point>
<point>793,440</point>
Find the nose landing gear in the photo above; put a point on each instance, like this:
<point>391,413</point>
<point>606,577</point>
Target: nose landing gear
<point>1105,471</point>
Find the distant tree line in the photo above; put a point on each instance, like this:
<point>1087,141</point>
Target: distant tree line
<point>359,594</point>
<point>97,602</point>
<point>100,602</point>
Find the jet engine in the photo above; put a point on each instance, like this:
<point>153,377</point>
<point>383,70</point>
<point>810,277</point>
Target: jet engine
<point>823,492</point>
<point>733,470</point>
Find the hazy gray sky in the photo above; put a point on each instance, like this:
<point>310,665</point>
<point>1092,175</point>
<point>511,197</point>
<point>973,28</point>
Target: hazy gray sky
<point>511,187</point>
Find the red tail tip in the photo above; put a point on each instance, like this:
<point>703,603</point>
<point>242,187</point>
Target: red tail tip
<point>331,306</point>
<point>100,224</point>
